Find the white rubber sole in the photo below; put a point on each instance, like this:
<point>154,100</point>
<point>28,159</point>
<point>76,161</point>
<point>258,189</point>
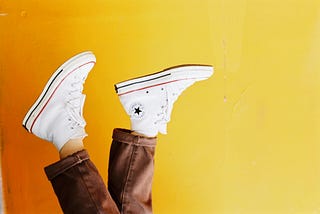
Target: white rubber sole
<point>54,82</point>
<point>177,73</point>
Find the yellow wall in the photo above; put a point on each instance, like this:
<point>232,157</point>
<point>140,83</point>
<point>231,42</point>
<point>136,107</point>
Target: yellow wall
<point>244,142</point>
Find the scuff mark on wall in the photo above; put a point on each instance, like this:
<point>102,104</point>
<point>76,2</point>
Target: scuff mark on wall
<point>224,46</point>
<point>2,13</point>
<point>238,101</point>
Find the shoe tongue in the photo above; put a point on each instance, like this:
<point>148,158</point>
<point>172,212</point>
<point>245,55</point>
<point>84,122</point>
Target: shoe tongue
<point>163,128</point>
<point>77,113</point>
<point>82,99</point>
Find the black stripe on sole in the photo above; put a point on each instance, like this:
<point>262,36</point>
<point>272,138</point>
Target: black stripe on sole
<point>25,125</point>
<point>142,81</point>
<point>173,67</point>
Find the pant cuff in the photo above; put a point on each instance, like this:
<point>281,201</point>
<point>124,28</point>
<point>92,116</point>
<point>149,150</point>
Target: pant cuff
<point>66,163</point>
<point>125,136</point>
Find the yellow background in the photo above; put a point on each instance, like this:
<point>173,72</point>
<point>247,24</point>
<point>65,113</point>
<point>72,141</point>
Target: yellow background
<point>245,141</point>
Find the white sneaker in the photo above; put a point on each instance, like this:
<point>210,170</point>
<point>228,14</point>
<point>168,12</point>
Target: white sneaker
<point>148,100</point>
<point>56,116</point>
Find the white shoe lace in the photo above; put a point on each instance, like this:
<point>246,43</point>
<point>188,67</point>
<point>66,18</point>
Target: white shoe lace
<point>161,116</point>
<point>171,95</point>
<point>75,103</point>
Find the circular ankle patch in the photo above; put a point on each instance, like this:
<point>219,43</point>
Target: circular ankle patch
<point>137,110</point>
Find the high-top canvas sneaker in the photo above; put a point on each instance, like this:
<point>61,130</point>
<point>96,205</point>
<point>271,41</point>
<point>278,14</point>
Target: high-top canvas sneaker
<point>56,116</point>
<point>149,100</point>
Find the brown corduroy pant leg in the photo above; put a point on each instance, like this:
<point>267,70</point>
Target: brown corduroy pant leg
<point>80,188</point>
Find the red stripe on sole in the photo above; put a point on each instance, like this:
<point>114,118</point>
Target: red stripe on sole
<point>55,91</point>
<point>155,85</point>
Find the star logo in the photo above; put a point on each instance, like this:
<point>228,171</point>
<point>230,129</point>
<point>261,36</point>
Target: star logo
<point>137,111</point>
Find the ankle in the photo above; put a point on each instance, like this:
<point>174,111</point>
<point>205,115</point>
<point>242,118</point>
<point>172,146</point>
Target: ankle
<point>71,147</point>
